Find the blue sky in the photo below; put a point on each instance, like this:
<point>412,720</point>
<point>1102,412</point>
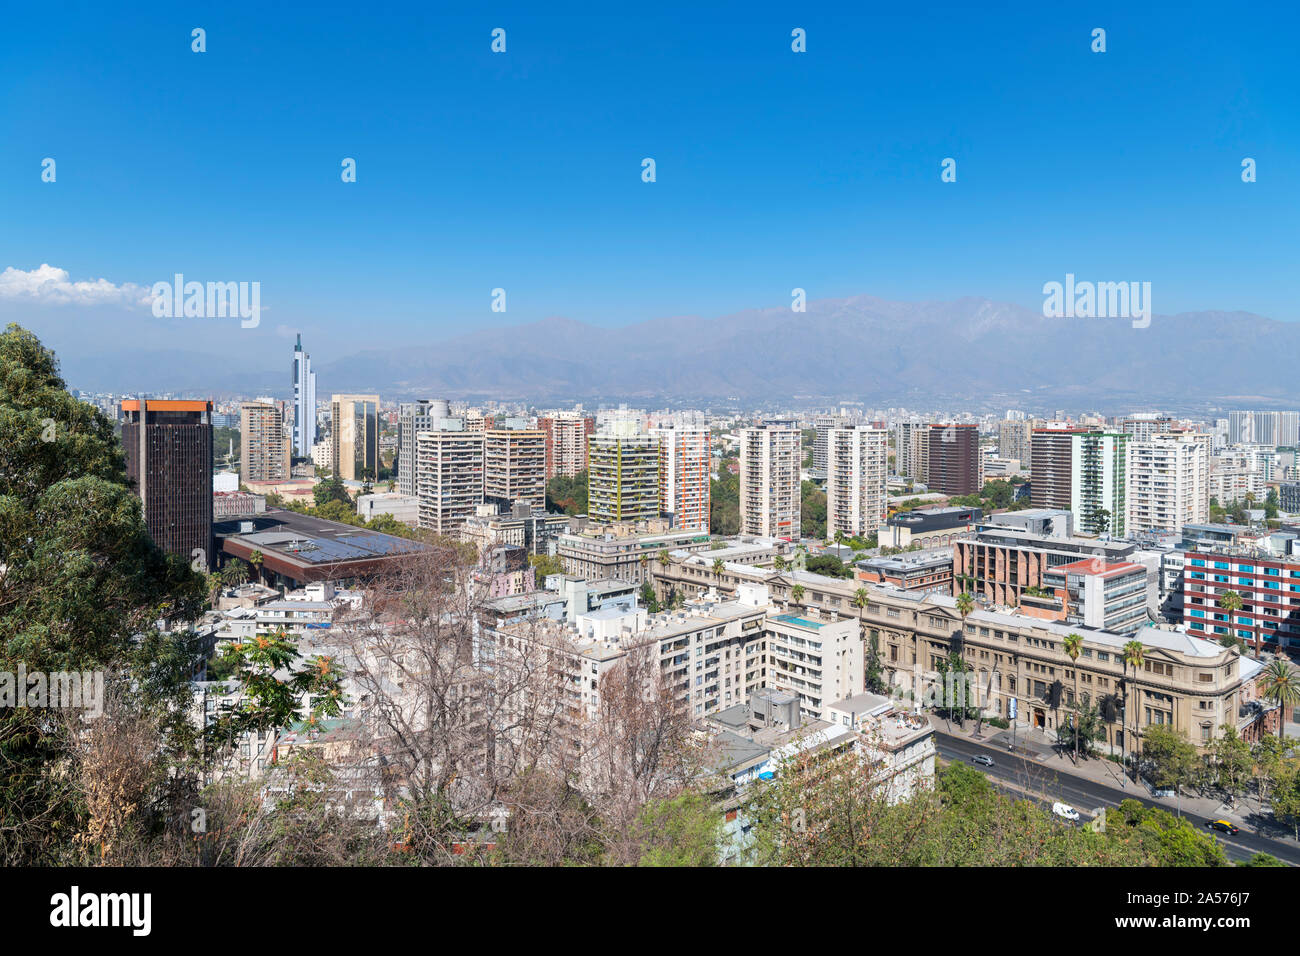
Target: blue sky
<point>522,170</point>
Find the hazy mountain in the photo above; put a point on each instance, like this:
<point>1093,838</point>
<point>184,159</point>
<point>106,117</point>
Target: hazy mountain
<point>970,350</point>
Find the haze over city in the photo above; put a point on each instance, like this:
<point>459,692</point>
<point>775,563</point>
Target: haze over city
<point>747,437</point>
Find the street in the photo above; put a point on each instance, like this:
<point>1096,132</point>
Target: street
<point>1023,778</point>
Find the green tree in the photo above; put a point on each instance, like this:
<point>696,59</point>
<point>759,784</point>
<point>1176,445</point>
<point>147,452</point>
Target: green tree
<point>274,684</point>
<point>567,495</point>
<point>812,514</point>
<point>545,565</point>
<point>683,831</point>
<point>648,598</point>
<point>1073,645</point>
<point>1172,757</point>
<point>1230,759</point>
<point>81,589</point>
<point>1134,657</point>
<point>331,489</point>
<point>796,594</point>
<point>1280,683</point>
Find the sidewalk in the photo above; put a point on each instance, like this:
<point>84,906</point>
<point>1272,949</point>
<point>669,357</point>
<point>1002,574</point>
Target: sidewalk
<point>1037,746</point>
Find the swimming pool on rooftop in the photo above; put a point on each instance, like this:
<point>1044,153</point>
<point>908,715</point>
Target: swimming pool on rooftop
<point>796,619</point>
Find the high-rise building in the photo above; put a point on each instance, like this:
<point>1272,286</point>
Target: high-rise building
<point>1015,441</point>
<point>622,475</point>
<point>1050,475</point>
<point>566,442</point>
<point>856,470</point>
<point>954,460</point>
<point>823,424</point>
<point>907,442</point>
<point>304,402</point>
<point>1142,425</point>
<point>168,447</point>
<point>514,467</point>
<point>354,436</point>
<point>448,477</point>
<point>1169,482</point>
<point>685,455</point>
<point>264,453</point>
<point>1099,497</point>
<point>413,418</point>
<point>770,491</point>
<point>476,421</point>
<point>1263,428</point>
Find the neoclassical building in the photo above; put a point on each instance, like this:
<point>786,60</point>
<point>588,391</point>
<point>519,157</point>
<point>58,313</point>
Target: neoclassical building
<point>1193,684</point>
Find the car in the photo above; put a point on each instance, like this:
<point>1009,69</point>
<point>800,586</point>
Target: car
<point>1223,826</point>
<point>1065,811</point>
<point>982,760</point>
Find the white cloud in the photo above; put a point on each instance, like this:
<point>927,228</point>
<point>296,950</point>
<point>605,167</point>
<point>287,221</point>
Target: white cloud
<point>51,286</point>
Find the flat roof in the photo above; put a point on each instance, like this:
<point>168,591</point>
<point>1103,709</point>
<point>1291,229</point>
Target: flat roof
<point>167,405</point>
<point>298,542</point>
<point>1089,566</point>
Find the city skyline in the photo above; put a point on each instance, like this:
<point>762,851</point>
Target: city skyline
<point>789,177</point>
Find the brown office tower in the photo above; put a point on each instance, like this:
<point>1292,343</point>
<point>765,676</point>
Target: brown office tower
<point>169,460</point>
<point>954,459</point>
<point>1052,474</point>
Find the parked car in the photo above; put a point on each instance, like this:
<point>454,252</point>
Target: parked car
<point>982,760</point>
<point>1065,811</point>
<point>1223,826</point>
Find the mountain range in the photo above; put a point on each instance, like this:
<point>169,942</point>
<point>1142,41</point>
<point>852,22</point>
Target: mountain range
<point>972,351</point>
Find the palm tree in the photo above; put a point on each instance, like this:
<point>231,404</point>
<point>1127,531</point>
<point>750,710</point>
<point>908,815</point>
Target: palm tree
<point>796,594</point>
<point>1073,644</point>
<point>1280,683</point>
<point>236,573</point>
<point>256,559</point>
<point>216,584</point>
<point>861,598</point>
<point>965,604</point>
<point>1135,657</point>
<point>718,568</point>
<point>779,563</point>
<point>664,559</point>
<point>645,563</point>
<point>1230,601</point>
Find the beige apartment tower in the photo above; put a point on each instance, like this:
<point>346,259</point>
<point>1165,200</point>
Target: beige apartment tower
<point>514,467</point>
<point>264,448</point>
<point>856,468</point>
<point>448,478</point>
<point>769,480</point>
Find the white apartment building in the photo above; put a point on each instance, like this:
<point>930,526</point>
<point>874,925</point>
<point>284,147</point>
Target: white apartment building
<point>712,653</point>
<point>1231,482</point>
<point>856,469</point>
<point>770,492</point>
<point>684,466</point>
<point>1168,482</point>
